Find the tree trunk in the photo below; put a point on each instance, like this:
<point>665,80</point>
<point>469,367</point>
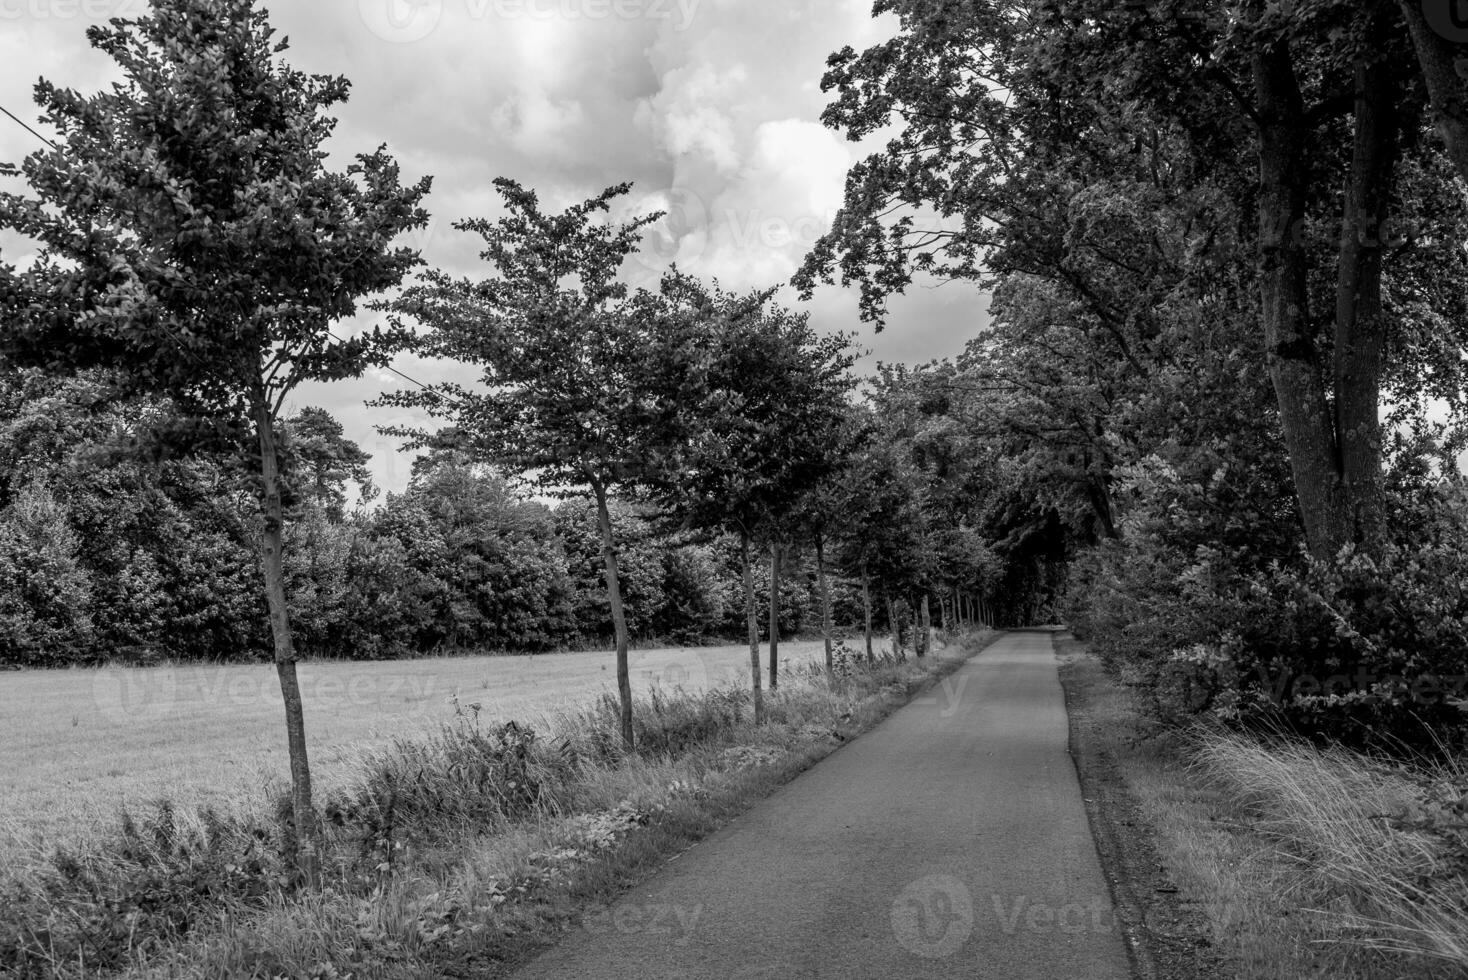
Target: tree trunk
<point>774,616</point>
<point>1102,506</point>
<point>751,619</point>
<point>892,625</point>
<point>927,621</point>
<point>1360,317</point>
<point>1293,361</point>
<point>303,813</point>
<point>866,607</point>
<point>825,602</point>
<point>619,614</point>
<point>1439,47</point>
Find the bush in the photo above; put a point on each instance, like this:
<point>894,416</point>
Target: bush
<point>1371,651</point>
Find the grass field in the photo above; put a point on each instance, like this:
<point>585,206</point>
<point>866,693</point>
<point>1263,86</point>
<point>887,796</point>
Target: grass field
<point>75,745</point>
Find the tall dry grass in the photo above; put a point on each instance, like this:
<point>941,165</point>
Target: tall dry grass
<point>1379,851</point>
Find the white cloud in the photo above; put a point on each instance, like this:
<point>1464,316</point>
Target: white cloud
<point>710,106</point>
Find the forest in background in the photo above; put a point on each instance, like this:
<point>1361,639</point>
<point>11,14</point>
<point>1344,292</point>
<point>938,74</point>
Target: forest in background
<point>113,549</point>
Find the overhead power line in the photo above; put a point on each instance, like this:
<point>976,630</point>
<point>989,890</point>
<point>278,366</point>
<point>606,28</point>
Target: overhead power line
<point>26,126</point>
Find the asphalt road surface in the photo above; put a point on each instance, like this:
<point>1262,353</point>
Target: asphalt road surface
<point>950,841</point>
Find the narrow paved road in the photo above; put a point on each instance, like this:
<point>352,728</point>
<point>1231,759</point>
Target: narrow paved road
<point>950,841</point>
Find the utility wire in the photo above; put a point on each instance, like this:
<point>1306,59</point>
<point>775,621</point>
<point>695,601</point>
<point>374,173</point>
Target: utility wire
<point>26,126</point>
<point>405,377</point>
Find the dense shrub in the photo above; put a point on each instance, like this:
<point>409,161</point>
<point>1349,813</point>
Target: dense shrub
<point>1370,650</point>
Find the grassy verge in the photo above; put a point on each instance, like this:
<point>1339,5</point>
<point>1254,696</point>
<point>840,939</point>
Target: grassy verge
<point>1291,861</point>
<point>457,855</point>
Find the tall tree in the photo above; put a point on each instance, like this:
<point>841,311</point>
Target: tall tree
<point>1031,135</point>
<point>192,237</point>
<point>569,396</point>
<point>320,461</point>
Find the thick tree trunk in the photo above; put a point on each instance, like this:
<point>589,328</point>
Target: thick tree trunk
<point>774,616</point>
<point>927,625</point>
<point>866,608</point>
<point>1293,362</point>
<point>272,563</point>
<point>1102,507</point>
<point>1360,317</point>
<point>619,614</point>
<point>1440,43</point>
<point>825,602</point>
<point>751,620</point>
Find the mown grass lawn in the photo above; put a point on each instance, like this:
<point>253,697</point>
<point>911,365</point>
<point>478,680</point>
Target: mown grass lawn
<point>75,745</point>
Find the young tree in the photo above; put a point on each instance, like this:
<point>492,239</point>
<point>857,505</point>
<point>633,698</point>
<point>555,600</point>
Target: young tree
<point>567,352</point>
<point>823,507</point>
<point>192,238</point>
<point>751,430</point>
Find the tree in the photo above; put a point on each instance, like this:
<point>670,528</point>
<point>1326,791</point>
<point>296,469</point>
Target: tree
<point>752,420</point>
<point>1054,120</point>
<point>565,349</point>
<point>192,238</point>
<point>822,511</point>
<point>319,462</point>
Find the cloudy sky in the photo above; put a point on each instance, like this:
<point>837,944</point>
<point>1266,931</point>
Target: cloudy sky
<point>711,108</point>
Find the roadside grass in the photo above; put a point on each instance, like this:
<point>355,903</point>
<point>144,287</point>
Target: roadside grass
<point>78,744</point>
<point>453,855</point>
<point>1306,863</point>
